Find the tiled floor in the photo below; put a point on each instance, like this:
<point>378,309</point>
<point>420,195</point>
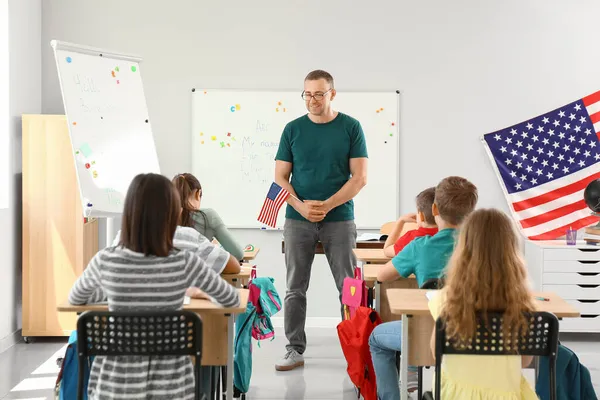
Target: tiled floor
<point>29,371</point>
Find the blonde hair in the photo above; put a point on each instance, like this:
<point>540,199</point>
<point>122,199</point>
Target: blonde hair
<point>486,273</point>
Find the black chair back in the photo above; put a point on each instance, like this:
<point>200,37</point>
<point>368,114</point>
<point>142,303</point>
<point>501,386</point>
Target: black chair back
<point>433,284</point>
<point>541,339</point>
<point>152,333</point>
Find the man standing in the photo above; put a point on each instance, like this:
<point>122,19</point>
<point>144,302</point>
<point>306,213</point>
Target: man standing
<point>325,154</point>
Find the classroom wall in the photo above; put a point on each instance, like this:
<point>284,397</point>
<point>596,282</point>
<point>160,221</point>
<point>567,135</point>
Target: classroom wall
<point>464,67</point>
<point>25,96</point>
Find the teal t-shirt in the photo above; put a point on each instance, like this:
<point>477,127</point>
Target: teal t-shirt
<point>426,256</point>
<point>320,155</point>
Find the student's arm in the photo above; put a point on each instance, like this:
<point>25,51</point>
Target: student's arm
<point>224,237</point>
<point>526,361</point>
<point>388,248</point>
<point>88,288</point>
<point>208,281</point>
<point>432,342</point>
<point>213,256</point>
<point>232,267</point>
<point>402,265</point>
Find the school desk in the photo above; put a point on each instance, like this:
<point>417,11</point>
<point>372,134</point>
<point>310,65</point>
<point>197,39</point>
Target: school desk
<point>361,244</point>
<point>413,303</point>
<point>250,255</point>
<point>217,330</point>
<point>380,289</point>
<point>241,278</point>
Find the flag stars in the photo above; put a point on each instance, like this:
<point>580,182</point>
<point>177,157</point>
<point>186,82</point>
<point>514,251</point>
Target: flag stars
<point>513,152</point>
<point>581,163</point>
<point>566,147</point>
<point>556,145</point>
<point>539,172</point>
<point>519,164</point>
<point>561,136</point>
<point>555,166</point>
<point>508,161</point>
<point>588,131</point>
<point>577,129</point>
<point>556,123</point>
<point>545,120</point>
<point>513,131</point>
<point>513,174</point>
<point>518,186</point>
<point>533,181</point>
<point>508,140</point>
<point>571,138</point>
<point>577,107</point>
<point>545,141</point>
<point>550,154</point>
<point>503,149</point>
<point>561,157</point>
<point>582,141</point>
<point>565,170</point>
<point>530,126</point>
<point>535,138</point>
<point>550,175</point>
<point>540,150</point>
<point>592,144</point>
<point>524,156</point>
<point>582,120</point>
<point>529,169</point>
<point>571,160</point>
<point>524,134</point>
<point>587,153</point>
<point>523,177</point>
<point>534,160</point>
<point>544,163</point>
<point>576,151</point>
<point>540,129</point>
<point>529,147</point>
<point>497,137</point>
<point>519,144</point>
<point>551,132</point>
<point>597,157</point>
<point>561,114</point>
<point>572,116</point>
<point>567,126</point>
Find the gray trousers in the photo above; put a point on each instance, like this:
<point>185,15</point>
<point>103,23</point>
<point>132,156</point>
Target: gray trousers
<point>301,237</point>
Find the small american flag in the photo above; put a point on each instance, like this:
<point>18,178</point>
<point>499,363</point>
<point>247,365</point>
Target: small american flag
<point>544,165</point>
<point>275,199</point>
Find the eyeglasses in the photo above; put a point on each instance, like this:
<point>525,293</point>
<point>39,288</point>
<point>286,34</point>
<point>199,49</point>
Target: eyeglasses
<point>317,96</point>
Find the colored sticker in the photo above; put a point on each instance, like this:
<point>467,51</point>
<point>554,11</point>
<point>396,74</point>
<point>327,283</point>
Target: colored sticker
<point>277,109</point>
<point>228,145</point>
<point>228,133</point>
<point>117,69</point>
<point>238,107</point>
<point>201,133</point>
<point>233,138</point>
<point>232,109</point>
<point>87,165</point>
<point>85,150</point>
<point>202,142</point>
<point>69,59</point>
<point>213,138</point>
<point>133,68</point>
<point>89,205</point>
<point>285,110</point>
<point>222,144</point>
<point>77,152</point>
<point>74,123</point>
<point>393,124</point>
<point>391,134</point>
<point>205,92</point>
<point>279,103</point>
<point>93,162</point>
<point>113,73</point>
<point>95,174</point>
<point>118,81</point>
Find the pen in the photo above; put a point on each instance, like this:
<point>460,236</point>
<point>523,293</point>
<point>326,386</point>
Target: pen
<point>542,298</point>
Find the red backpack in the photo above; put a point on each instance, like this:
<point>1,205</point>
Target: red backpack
<point>354,339</point>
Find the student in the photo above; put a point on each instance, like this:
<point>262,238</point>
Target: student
<point>426,258</point>
<point>486,273</point>
<point>213,256</point>
<point>425,224</point>
<point>146,272</point>
<point>206,221</point>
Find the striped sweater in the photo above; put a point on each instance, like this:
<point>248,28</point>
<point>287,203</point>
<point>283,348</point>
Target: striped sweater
<point>131,281</point>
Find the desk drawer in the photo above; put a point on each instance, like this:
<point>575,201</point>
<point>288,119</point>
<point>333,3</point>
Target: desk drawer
<point>586,323</point>
<point>575,292</point>
<point>572,254</point>
<point>589,307</point>
<point>566,278</point>
<point>572,266</point>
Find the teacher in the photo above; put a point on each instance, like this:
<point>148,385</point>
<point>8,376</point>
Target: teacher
<point>325,154</point>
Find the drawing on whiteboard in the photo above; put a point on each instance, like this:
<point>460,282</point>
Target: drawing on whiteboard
<point>280,107</point>
<point>261,126</point>
<point>113,196</point>
<point>86,85</point>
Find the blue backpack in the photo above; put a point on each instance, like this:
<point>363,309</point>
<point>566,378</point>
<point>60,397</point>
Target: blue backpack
<point>66,383</point>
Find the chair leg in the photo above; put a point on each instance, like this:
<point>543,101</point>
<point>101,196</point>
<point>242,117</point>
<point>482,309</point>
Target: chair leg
<point>224,382</point>
<point>420,382</point>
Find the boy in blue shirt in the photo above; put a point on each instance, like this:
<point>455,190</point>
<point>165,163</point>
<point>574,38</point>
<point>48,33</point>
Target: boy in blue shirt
<point>426,258</point>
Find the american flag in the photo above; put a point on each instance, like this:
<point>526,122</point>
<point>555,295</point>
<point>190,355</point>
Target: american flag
<point>544,165</point>
<point>275,199</point>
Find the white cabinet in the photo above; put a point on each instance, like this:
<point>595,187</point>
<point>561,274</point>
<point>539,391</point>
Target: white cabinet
<point>572,272</point>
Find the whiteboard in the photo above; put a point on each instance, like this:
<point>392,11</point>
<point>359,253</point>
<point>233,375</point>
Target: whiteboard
<point>236,133</point>
<point>110,130</point>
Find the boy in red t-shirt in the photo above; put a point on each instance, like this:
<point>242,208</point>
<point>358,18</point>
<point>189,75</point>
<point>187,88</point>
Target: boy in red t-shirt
<point>425,224</point>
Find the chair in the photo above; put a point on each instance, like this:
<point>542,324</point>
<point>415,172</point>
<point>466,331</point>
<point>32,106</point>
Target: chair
<point>540,340</point>
<point>150,333</point>
<point>387,228</point>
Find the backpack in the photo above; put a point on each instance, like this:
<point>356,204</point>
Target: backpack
<point>354,294</point>
<point>66,383</point>
<point>354,340</point>
<point>263,302</point>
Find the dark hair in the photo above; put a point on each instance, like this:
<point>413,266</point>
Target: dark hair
<point>424,202</point>
<point>150,215</point>
<point>186,185</point>
<point>320,74</point>
<point>455,198</point>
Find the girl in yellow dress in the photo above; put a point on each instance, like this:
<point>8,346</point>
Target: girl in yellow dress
<point>485,273</point>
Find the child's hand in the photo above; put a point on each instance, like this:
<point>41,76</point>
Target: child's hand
<point>412,217</point>
<point>196,293</point>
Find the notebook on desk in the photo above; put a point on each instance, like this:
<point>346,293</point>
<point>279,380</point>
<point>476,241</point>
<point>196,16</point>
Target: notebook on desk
<point>371,237</point>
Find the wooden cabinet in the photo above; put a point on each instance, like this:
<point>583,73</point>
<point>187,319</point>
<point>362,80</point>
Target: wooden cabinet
<point>57,243</point>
